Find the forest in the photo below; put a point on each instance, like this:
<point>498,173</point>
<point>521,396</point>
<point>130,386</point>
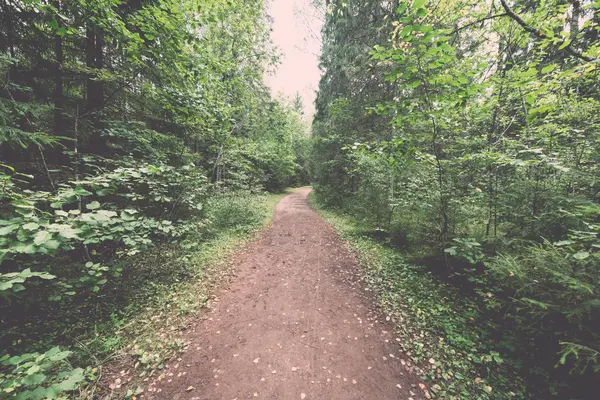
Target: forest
<point>455,146</point>
<point>464,135</point>
<point>130,131</point>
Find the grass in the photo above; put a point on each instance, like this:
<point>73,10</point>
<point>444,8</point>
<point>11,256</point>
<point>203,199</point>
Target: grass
<point>446,334</point>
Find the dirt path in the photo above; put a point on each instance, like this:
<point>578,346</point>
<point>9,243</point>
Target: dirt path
<point>295,323</point>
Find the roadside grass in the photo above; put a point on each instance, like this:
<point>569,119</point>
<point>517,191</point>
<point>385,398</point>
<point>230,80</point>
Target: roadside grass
<point>139,324</point>
<point>445,333</point>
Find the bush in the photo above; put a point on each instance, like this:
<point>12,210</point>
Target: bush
<point>238,210</point>
<point>554,291</point>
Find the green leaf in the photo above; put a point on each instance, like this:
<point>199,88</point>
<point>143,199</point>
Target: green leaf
<point>564,44</point>
<point>93,205</point>
<point>52,244</point>
<point>582,255</point>
<point>34,379</point>
<point>529,73</point>
<point>103,192</point>
<point>64,230</point>
<point>59,355</point>
<point>548,68</point>
<point>81,191</point>
<point>418,3</point>
<point>8,229</point>
<point>42,237</point>
<point>71,382</point>
<point>31,226</point>
<point>33,369</point>
<point>564,242</point>
<point>401,8</point>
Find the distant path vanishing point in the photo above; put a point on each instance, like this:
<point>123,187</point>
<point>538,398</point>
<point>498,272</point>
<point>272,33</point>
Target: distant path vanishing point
<point>294,323</point>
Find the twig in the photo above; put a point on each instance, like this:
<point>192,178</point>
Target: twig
<point>541,35</point>
<point>477,22</point>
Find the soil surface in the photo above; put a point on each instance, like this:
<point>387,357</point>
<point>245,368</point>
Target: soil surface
<point>294,323</point>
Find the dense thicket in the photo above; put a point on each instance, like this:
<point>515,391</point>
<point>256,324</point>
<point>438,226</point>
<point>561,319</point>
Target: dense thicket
<point>467,132</point>
<point>119,122</point>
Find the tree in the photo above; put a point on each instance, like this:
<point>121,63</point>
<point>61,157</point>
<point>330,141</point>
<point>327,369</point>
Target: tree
<point>472,129</point>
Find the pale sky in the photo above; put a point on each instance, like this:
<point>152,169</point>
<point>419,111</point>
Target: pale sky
<point>296,33</point>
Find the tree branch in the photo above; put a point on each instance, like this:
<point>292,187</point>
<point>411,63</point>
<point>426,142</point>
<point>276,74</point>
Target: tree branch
<point>478,21</point>
<point>540,34</point>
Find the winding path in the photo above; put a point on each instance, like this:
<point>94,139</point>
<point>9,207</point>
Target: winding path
<point>294,323</point>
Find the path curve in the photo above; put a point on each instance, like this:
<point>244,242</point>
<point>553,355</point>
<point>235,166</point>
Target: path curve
<point>295,323</point>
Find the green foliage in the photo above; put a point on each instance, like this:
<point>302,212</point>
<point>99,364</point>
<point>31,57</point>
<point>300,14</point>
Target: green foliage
<point>13,281</point>
<point>39,376</point>
<point>236,211</point>
<point>447,335</point>
<point>467,137</point>
<point>127,127</point>
<point>466,248</point>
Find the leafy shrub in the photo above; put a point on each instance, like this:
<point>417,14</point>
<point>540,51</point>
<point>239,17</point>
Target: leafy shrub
<point>554,290</point>
<point>119,212</point>
<point>38,376</point>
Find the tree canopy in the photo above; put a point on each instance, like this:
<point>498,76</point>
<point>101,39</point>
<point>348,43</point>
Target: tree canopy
<point>124,125</point>
<point>468,132</point>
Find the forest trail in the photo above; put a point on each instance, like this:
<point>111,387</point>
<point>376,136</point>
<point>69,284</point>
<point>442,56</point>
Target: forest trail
<point>294,323</point>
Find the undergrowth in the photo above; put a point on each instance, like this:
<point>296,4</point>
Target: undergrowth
<point>444,332</point>
<point>118,343</point>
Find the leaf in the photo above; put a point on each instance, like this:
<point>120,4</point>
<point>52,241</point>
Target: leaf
<point>52,244</point>
<point>103,192</point>
<point>529,73</point>
<point>564,242</point>
<point>31,226</point>
<point>58,355</point>
<point>81,191</point>
<point>564,44</point>
<point>8,229</point>
<point>418,3</point>
<point>401,8</point>
<point>71,382</point>
<point>34,379</point>
<point>42,237</point>
<point>93,205</point>
<point>582,255</point>
<point>64,230</point>
<point>45,275</point>
<point>548,68</point>
<point>33,369</point>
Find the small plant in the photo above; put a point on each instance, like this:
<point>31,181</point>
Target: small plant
<point>39,376</point>
<point>467,249</point>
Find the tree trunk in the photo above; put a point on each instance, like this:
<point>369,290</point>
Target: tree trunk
<point>95,60</point>
<point>95,88</point>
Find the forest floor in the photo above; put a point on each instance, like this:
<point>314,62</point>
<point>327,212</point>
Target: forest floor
<point>295,322</point>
